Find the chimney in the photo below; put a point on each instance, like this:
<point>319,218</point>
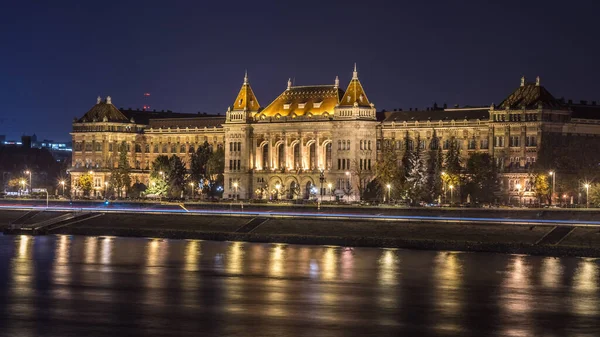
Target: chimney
<point>108,100</point>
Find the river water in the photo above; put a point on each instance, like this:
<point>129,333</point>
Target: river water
<point>100,286</point>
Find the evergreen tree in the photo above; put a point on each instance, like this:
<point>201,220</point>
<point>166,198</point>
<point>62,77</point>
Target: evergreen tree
<point>120,176</point>
<point>407,155</point>
<point>416,177</point>
<point>387,172</point>
<point>215,167</point>
<point>198,166</point>
<point>176,176</point>
<point>481,177</point>
<point>452,168</point>
<point>434,170</point>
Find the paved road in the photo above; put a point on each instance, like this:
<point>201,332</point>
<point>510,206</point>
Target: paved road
<point>89,286</point>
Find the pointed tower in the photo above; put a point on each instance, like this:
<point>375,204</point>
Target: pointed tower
<point>245,105</point>
<point>355,104</point>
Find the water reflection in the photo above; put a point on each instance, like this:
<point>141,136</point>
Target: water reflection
<point>388,268</point>
<point>90,250</point>
<point>235,258</point>
<point>192,254</point>
<point>276,260</point>
<point>585,288</point>
<point>516,298</point>
<point>330,264</point>
<point>551,272</point>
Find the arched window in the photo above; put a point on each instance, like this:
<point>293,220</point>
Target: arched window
<point>297,162</point>
<point>182,148</point>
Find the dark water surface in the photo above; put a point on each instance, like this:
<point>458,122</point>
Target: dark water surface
<point>106,286</point>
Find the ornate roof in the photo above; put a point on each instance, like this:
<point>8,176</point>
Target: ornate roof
<point>104,111</point>
<point>437,115</point>
<point>195,122</point>
<point>355,93</point>
<point>301,100</point>
<point>530,96</point>
<point>246,100</point>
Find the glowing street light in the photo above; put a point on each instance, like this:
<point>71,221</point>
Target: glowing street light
<point>451,194</point>
<point>105,189</point>
<point>30,183</point>
<point>587,195</point>
<point>389,187</point>
<point>553,175</point>
<point>444,185</point>
<point>62,182</point>
<point>277,187</point>
<point>235,189</point>
<point>22,185</point>
<point>192,188</point>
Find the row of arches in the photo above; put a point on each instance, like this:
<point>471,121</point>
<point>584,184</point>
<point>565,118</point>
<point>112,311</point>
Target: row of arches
<point>295,160</point>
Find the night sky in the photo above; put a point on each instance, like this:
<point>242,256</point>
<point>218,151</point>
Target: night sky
<point>57,56</point>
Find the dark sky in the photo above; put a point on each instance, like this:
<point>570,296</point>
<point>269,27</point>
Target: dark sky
<point>57,56</point>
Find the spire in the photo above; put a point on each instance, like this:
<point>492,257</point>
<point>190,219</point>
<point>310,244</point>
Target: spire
<point>537,81</point>
<point>355,94</point>
<point>336,82</point>
<point>523,81</point>
<point>355,73</point>
<point>289,83</point>
<point>108,100</point>
<point>245,100</point>
<point>98,100</point>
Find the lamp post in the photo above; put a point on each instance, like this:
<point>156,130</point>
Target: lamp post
<point>321,180</point>
<point>106,190</point>
<point>235,189</point>
<point>451,194</point>
<point>518,186</point>
<point>553,174</point>
<point>587,195</point>
<point>277,187</point>
<point>62,182</point>
<point>444,185</point>
<point>330,185</point>
<point>389,187</point>
<point>565,200</point>
<point>22,185</point>
<point>192,189</point>
<point>349,175</point>
<point>30,181</point>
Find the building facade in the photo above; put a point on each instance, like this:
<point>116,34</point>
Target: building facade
<point>324,141</point>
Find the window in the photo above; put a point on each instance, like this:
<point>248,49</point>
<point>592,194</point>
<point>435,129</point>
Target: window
<point>531,141</point>
<point>472,143</point>
<point>499,141</point>
<point>173,148</point>
<point>446,144</point>
<point>369,145</point>
<point>339,145</point>
<point>88,146</point>
<point>515,141</point>
<point>147,148</point>
<point>98,147</point>
<point>110,147</point>
<point>155,148</point>
<point>164,148</point>
<point>484,144</point>
<point>182,148</point>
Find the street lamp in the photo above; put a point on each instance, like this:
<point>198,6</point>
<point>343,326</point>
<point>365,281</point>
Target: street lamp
<point>62,182</point>
<point>349,180</point>
<point>565,199</point>
<point>22,185</point>
<point>587,195</point>
<point>330,185</point>
<point>444,185</point>
<point>235,188</point>
<point>518,186</point>
<point>389,187</point>
<point>192,188</point>
<point>277,187</point>
<point>451,194</point>
<point>30,183</point>
<point>553,174</point>
<point>105,189</point>
<point>322,180</point>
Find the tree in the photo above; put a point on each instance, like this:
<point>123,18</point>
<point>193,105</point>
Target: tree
<point>435,162</point>
<point>14,184</point>
<point>452,166</point>
<point>160,164</point>
<point>215,167</point>
<point>176,176</point>
<point>363,174</point>
<point>120,177</point>
<point>481,177</point>
<point>541,187</point>
<point>85,183</point>
<point>595,195</point>
<point>387,172</point>
<point>199,165</point>
<point>416,177</point>
<point>158,186</point>
<point>407,155</point>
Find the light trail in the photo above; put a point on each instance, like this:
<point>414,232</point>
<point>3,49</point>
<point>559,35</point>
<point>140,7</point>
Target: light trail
<point>330,216</point>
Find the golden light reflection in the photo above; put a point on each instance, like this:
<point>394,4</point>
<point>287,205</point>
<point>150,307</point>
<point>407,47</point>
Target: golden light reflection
<point>22,277</point>
<point>449,291</point>
<point>276,298</point>
<point>90,249</point>
<point>235,258</point>
<point>277,256</point>
<point>388,268</point>
<point>330,264</point>
<point>192,253</point>
<point>347,263</point>
<point>257,260</point>
<point>62,250</point>
<point>106,250</point>
<point>516,298</point>
<point>585,288</point>
<point>551,272</point>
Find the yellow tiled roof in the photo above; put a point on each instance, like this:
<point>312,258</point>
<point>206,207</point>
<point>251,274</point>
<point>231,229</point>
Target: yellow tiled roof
<point>355,93</point>
<point>301,100</point>
<point>246,99</point>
